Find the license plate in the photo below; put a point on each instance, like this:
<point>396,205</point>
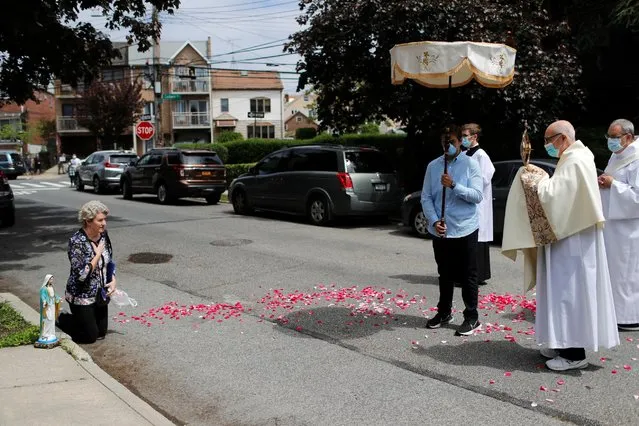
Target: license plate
<point>206,173</point>
<point>380,187</point>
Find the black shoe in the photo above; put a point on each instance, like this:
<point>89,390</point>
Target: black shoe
<point>438,320</point>
<point>467,327</point>
<point>483,283</point>
<point>628,327</point>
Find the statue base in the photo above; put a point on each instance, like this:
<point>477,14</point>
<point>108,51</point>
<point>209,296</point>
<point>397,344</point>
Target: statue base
<point>46,344</point>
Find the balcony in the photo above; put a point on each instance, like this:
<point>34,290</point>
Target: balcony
<point>66,91</point>
<point>191,120</point>
<point>69,125</point>
<point>187,86</point>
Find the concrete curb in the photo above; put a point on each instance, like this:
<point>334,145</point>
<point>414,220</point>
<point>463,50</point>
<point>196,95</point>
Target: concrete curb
<point>85,361</point>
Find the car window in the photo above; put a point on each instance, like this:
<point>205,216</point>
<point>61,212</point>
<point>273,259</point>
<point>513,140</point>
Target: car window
<point>155,159</point>
<point>88,159</point>
<point>201,158</point>
<point>16,157</point>
<point>4,157</point>
<point>367,162</point>
<point>502,176</point>
<point>271,164</point>
<point>173,158</point>
<point>122,158</point>
<point>310,159</point>
<point>98,158</point>
<point>144,160</point>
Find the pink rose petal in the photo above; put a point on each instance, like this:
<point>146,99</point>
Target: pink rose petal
<point>298,328</point>
<point>508,374</point>
<point>627,367</point>
<point>561,382</point>
<point>614,371</point>
<point>491,381</point>
<point>543,388</point>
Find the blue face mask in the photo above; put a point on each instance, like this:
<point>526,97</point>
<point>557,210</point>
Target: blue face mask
<point>452,150</point>
<point>551,150</point>
<point>466,142</point>
<point>614,144</point>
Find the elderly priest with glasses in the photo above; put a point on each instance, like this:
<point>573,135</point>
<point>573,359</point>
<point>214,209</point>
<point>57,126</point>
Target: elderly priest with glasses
<point>558,224</point>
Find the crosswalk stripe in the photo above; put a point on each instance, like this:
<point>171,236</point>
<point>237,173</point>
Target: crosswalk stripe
<point>32,185</point>
<point>56,185</point>
<point>14,186</point>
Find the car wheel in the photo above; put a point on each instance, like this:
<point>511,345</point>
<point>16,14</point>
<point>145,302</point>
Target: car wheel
<point>419,223</point>
<point>96,185</point>
<point>213,199</point>
<point>318,210</point>
<point>240,202</point>
<point>163,193</point>
<point>127,191</point>
<point>78,184</point>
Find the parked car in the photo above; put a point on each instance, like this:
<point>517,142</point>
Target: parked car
<point>102,170</point>
<point>7,207</point>
<point>12,164</point>
<point>174,173</point>
<point>505,172</point>
<point>321,182</point>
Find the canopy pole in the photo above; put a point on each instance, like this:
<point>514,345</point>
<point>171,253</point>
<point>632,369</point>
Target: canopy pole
<point>445,144</point>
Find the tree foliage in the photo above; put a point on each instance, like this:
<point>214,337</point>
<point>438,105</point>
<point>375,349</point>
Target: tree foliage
<point>107,109</point>
<point>43,39</point>
<point>345,51</point>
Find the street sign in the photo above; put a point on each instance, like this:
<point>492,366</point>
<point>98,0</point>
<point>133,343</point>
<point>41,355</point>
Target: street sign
<point>255,115</point>
<point>171,96</point>
<point>145,130</point>
<point>146,117</point>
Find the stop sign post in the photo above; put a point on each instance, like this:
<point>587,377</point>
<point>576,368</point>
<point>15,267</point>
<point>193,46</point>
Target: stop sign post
<point>145,130</point>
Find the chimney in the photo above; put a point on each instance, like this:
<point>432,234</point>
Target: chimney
<point>209,52</point>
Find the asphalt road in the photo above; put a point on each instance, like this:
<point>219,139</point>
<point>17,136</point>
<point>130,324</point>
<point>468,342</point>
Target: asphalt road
<point>348,346</point>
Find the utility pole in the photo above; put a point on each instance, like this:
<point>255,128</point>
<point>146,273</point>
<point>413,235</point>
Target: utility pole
<point>157,84</point>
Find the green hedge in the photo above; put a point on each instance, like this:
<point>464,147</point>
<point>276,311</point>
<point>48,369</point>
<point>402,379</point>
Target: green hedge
<point>234,170</point>
<point>252,150</point>
<point>220,149</point>
<point>225,137</point>
<point>305,133</point>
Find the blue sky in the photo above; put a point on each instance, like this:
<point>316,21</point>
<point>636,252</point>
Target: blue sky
<point>232,26</point>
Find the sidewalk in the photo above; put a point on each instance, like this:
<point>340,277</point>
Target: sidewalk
<point>49,174</point>
<point>63,386</point>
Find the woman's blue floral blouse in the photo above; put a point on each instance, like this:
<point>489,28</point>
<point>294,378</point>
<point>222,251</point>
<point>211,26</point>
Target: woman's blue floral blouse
<point>84,281</point>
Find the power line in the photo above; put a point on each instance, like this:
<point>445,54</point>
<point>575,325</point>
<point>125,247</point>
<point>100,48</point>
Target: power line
<point>248,9</point>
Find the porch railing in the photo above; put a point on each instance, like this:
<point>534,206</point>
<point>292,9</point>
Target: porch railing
<point>191,119</point>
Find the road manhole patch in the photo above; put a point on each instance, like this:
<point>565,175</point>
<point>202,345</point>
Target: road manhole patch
<point>150,258</point>
<point>231,242</point>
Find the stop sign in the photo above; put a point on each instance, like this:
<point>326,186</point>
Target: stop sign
<point>145,130</point>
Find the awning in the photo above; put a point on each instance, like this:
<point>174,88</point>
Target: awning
<point>225,123</point>
<point>262,123</point>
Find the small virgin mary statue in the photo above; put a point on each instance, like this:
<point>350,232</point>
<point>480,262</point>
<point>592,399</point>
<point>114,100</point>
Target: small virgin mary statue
<point>49,308</point>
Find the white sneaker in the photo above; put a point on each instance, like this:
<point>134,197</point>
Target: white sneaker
<point>549,353</point>
<point>562,364</point>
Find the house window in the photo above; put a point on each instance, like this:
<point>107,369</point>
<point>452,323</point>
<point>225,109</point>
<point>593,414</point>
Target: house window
<point>68,110</point>
<point>305,98</point>
<point>260,105</point>
<point>298,119</point>
<point>225,104</point>
<point>113,74</point>
<point>261,132</point>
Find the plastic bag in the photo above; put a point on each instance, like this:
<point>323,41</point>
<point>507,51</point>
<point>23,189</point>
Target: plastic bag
<point>120,298</point>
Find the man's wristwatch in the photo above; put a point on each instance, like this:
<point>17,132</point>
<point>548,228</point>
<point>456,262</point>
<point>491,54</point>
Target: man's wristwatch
<point>452,185</point>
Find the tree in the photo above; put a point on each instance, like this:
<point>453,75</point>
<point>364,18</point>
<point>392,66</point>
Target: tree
<point>369,129</point>
<point>40,40</point>
<point>345,51</point>
<point>107,109</point>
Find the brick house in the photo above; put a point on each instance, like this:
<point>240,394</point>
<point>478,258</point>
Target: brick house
<point>28,118</point>
<point>236,94</point>
<point>298,121</point>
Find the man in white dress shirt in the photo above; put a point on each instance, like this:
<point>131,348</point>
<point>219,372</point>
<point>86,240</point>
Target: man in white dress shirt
<point>619,186</point>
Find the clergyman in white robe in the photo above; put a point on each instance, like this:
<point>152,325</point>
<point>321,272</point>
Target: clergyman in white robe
<point>557,222</point>
<point>621,209</point>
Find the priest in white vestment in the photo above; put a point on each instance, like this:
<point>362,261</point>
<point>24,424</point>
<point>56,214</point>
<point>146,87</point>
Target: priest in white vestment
<point>620,197</point>
<point>470,141</point>
<point>557,222</point>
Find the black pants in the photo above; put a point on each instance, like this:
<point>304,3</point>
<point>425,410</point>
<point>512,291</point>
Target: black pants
<point>457,257</point>
<point>572,354</point>
<point>88,322</point>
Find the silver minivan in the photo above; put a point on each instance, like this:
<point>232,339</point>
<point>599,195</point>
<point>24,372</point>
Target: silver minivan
<point>321,182</point>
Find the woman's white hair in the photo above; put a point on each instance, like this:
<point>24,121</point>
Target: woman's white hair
<point>90,210</point>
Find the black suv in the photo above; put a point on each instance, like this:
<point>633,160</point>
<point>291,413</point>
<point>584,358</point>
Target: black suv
<point>174,173</point>
<point>321,182</point>
<point>7,207</point>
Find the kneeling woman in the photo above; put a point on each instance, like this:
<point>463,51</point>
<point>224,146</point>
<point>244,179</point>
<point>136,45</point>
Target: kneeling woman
<point>92,274</point>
